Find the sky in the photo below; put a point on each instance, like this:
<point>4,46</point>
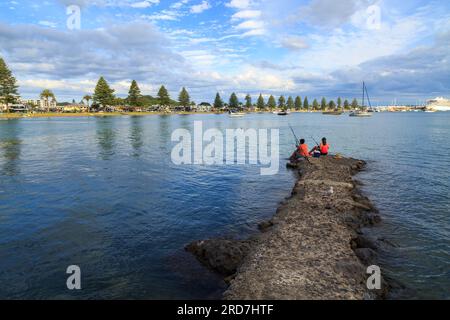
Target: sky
<point>313,48</point>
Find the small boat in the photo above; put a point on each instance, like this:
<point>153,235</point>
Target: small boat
<point>335,112</point>
<point>236,114</point>
<point>359,113</point>
<point>363,112</point>
<point>282,113</point>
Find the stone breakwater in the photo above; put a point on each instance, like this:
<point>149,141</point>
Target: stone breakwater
<point>313,247</point>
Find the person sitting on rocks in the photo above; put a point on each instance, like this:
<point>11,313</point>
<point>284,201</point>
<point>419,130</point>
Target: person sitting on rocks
<point>301,152</point>
<point>323,148</point>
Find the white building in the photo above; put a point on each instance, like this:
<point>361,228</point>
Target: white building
<point>46,104</point>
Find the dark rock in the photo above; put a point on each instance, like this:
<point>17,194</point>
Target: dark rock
<point>371,219</point>
<point>265,225</point>
<point>366,255</point>
<point>362,241</point>
<point>222,256</point>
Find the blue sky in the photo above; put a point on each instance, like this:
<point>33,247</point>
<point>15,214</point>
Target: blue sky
<point>309,48</point>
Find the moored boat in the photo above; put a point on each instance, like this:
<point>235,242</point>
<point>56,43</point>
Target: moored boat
<point>335,112</point>
<point>360,113</point>
<point>236,114</point>
<point>363,111</point>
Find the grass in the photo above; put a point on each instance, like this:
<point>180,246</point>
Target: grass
<point>89,114</point>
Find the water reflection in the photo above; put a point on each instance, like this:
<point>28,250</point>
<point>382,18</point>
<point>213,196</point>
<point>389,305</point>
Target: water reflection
<point>11,146</point>
<point>164,130</point>
<point>136,131</point>
<point>106,137</point>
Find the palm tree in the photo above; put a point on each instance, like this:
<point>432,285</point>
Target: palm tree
<point>46,94</point>
<point>87,98</point>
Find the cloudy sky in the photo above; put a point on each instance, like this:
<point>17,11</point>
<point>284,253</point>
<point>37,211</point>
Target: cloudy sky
<point>292,47</point>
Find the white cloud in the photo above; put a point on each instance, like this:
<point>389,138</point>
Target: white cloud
<point>250,24</point>
<point>170,15</point>
<point>199,8</point>
<point>144,4</point>
<point>246,14</point>
<point>179,4</point>
<point>248,19</point>
<point>239,4</point>
<point>294,43</point>
<point>329,13</point>
<point>46,23</point>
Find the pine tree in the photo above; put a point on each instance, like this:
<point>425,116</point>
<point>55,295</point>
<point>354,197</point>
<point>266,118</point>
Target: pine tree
<point>248,101</point>
<point>290,103</point>
<point>261,103</point>
<point>282,103</point>
<point>103,94</point>
<point>218,103</point>
<point>315,104</point>
<point>134,95</point>
<point>234,101</point>
<point>339,103</point>
<point>272,104</point>
<point>163,97</point>
<point>346,104</point>
<point>306,103</point>
<point>323,104</point>
<point>183,98</point>
<point>332,105</point>
<point>8,86</point>
<point>298,103</point>
<point>355,104</point>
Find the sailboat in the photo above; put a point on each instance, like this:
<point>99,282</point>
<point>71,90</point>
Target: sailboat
<point>363,111</point>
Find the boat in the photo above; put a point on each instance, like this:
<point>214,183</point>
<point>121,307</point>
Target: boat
<point>363,112</point>
<point>360,113</point>
<point>282,113</point>
<point>335,112</point>
<point>236,114</point>
<point>438,104</point>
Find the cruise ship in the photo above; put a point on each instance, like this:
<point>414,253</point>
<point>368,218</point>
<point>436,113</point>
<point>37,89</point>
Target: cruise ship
<point>438,104</point>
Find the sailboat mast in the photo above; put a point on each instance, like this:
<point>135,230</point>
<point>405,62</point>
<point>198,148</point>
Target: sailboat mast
<point>364,94</point>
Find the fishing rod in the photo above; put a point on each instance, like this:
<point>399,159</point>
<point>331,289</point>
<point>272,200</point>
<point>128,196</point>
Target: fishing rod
<point>297,141</point>
<point>315,141</point>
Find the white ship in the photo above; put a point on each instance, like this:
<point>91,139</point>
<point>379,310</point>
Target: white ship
<point>438,104</point>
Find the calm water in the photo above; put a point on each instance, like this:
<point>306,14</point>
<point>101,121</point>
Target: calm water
<point>102,193</point>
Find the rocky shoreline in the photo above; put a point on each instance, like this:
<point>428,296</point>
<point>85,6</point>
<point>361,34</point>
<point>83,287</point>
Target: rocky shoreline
<point>313,247</point>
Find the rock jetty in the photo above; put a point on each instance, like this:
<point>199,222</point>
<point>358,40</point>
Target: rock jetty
<point>313,247</point>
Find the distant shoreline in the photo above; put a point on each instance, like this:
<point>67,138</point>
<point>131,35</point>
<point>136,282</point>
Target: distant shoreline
<point>114,114</point>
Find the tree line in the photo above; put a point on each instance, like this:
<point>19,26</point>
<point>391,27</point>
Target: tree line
<point>104,95</point>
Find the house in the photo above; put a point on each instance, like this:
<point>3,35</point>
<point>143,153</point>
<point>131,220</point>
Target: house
<point>73,107</point>
<point>203,107</point>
